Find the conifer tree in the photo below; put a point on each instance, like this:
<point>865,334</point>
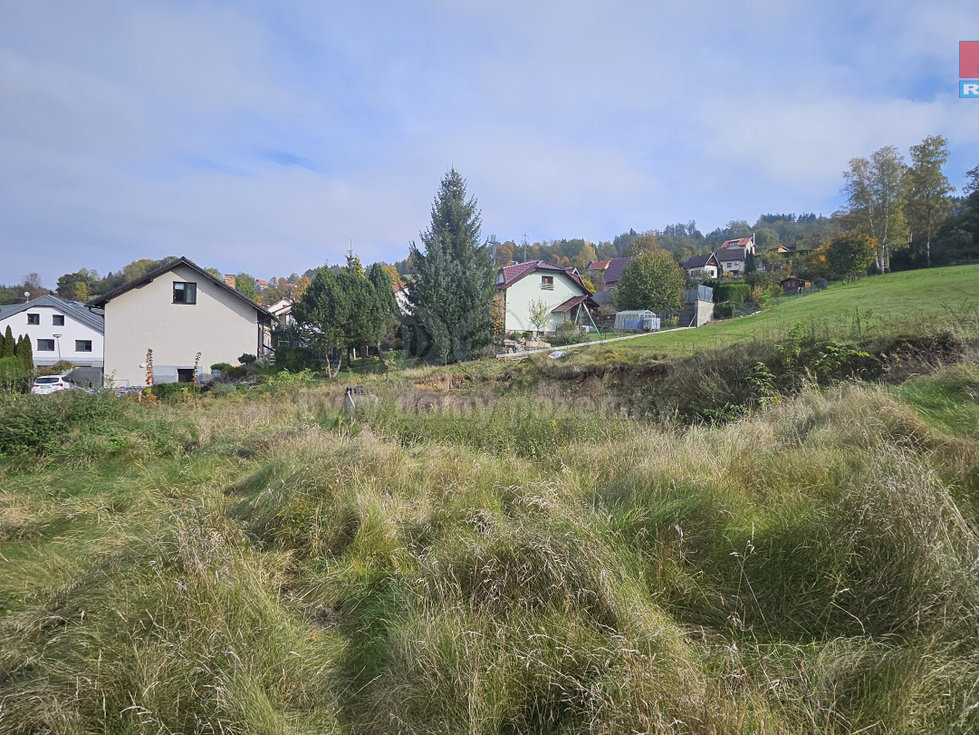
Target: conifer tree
<point>7,349</point>
<point>452,294</point>
<point>24,351</point>
<point>385,296</point>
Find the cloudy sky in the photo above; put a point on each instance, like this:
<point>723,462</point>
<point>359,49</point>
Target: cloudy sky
<point>269,137</point>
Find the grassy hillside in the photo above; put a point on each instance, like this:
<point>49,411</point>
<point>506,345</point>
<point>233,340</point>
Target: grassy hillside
<point>864,308</point>
<point>457,560</point>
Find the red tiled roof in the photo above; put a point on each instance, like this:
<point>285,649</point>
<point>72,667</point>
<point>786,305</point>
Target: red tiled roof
<point>598,265</point>
<point>738,242</point>
<point>513,273</point>
<point>570,304</point>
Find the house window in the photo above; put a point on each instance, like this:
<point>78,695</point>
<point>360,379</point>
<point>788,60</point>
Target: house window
<point>547,283</point>
<point>33,318</point>
<point>185,375</point>
<point>45,345</point>
<point>58,320</point>
<point>184,293</point>
<point>83,345</point>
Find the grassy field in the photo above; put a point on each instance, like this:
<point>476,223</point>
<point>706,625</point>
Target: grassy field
<point>456,560</point>
<point>850,311</point>
<point>502,549</point>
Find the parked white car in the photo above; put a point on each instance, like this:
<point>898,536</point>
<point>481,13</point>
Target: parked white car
<point>45,384</point>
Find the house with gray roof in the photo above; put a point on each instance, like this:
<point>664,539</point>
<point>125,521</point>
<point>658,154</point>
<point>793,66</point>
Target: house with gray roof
<point>58,330</point>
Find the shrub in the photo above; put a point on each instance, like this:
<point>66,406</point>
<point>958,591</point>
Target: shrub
<point>173,391</point>
<point>31,422</point>
<point>736,293</point>
<point>723,310</point>
<point>61,366</point>
<point>14,376</point>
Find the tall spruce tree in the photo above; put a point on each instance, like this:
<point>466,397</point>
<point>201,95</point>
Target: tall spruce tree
<point>24,351</point>
<point>452,294</point>
<point>7,348</point>
<point>385,295</point>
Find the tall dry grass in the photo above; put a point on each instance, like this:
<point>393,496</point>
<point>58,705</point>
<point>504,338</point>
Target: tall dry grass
<point>468,562</point>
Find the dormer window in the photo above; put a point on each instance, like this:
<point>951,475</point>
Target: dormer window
<point>184,292</point>
<point>547,283</point>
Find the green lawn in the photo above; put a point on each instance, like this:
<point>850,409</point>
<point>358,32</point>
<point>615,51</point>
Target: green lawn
<point>875,305</point>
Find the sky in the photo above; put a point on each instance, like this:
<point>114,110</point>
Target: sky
<point>271,137</point>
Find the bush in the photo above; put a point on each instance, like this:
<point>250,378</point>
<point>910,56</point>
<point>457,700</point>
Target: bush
<point>31,422</point>
<point>296,359</point>
<point>723,310</point>
<point>736,293</point>
<point>14,376</point>
<point>61,366</point>
<point>173,391</point>
<point>567,334</point>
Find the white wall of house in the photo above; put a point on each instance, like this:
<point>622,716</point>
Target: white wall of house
<point>220,326</point>
<point>708,270</point>
<point>78,343</point>
<point>528,290</point>
<point>732,266</point>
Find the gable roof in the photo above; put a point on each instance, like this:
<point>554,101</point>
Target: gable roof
<point>165,268</point>
<point>731,254</point>
<point>598,265</point>
<point>510,274</point>
<point>613,274</point>
<point>92,318</point>
<point>738,242</point>
<point>573,302</point>
<point>699,261</point>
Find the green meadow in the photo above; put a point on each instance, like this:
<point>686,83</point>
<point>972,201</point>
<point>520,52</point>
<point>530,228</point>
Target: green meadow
<point>864,308</point>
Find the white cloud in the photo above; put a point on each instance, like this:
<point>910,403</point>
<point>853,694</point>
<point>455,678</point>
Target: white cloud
<point>139,130</point>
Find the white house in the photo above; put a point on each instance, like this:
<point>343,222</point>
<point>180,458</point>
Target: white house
<point>58,330</point>
<point>187,317</point>
<point>281,311</point>
<point>560,291</point>
<point>732,260</point>
<point>748,243</point>
<point>702,265</point>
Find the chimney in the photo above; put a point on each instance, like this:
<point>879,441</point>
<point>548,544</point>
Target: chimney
<point>229,278</point>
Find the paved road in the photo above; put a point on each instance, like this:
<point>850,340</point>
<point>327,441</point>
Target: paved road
<point>505,355</point>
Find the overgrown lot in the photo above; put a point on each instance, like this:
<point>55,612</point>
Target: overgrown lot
<point>466,557</point>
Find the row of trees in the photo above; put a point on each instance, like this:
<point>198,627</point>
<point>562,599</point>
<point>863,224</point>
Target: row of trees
<point>344,309</point>
<point>450,296</point>
<point>900,205</point>
<point>16,362</point>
